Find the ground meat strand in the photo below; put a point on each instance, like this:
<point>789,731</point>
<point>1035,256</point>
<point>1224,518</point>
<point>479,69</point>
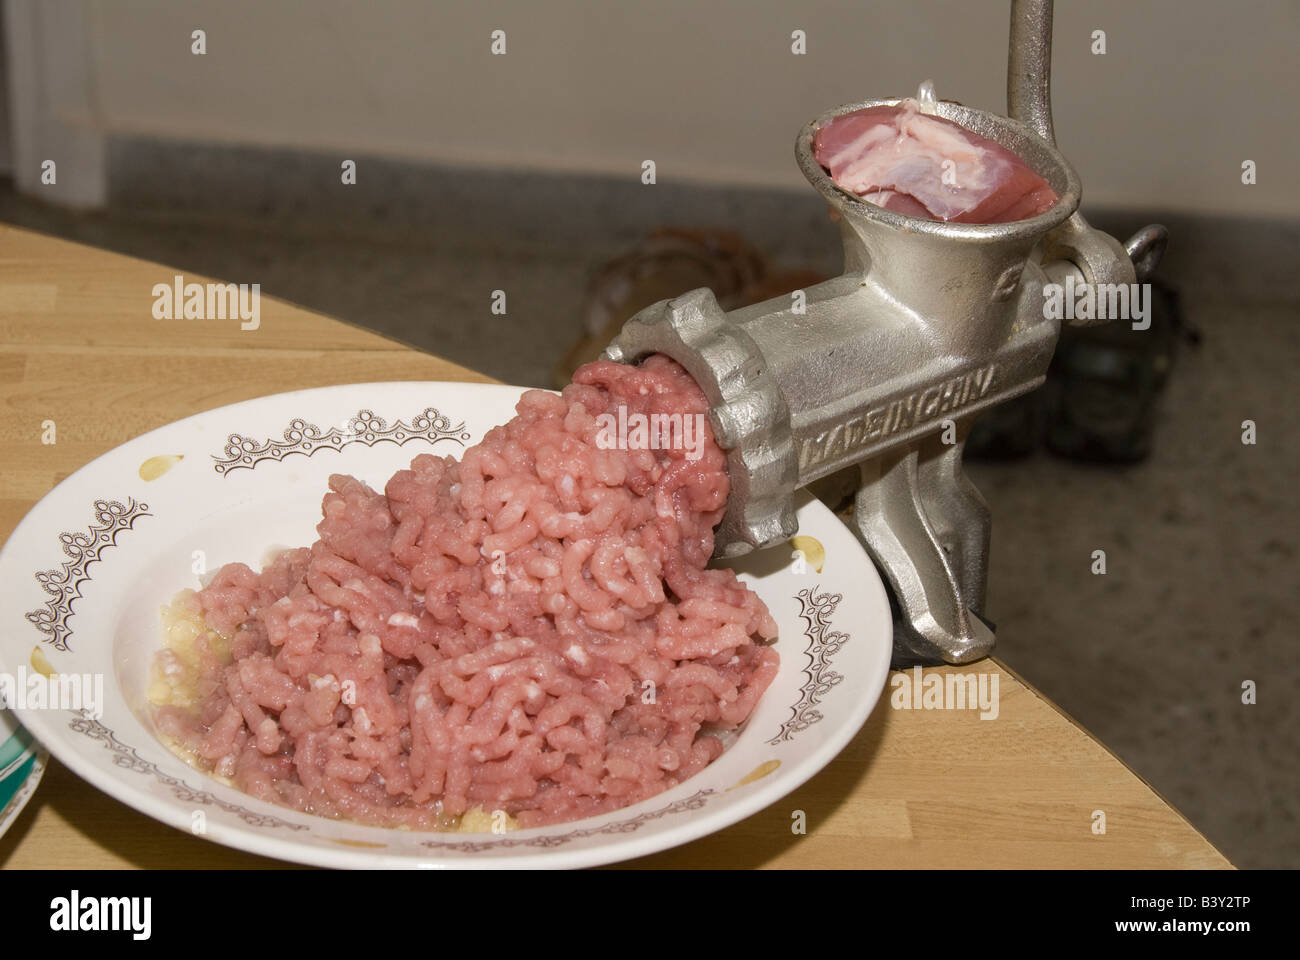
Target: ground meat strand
<point>531,629</point>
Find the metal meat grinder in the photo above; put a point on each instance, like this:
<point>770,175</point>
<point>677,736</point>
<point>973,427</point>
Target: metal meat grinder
<point>886,366</point>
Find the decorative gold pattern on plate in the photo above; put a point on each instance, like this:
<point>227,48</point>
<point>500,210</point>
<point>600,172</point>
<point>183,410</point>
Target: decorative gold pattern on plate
<point>694,802</point>
<point>155,467</point>
<point>125,756</point>
<point>304,437</point>
<point>758,773</point>
<point>40,664</point>
<point>814,553</point>
<point>83,549</point>
<point>823,643</point>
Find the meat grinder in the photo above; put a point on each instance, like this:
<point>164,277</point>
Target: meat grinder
<point>885,367</point>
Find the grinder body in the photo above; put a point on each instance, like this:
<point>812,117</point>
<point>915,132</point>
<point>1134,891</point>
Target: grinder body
<point>884,366</point>
<point>887,365</point>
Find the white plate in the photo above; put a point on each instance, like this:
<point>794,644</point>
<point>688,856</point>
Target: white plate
<point>83,577</point>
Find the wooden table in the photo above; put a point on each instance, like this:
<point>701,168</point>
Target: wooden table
<point>915,788</point>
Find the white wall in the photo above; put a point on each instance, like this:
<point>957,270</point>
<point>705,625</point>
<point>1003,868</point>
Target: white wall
<point>6,152</point>
<point>51,100</point>
<point>708,88</point>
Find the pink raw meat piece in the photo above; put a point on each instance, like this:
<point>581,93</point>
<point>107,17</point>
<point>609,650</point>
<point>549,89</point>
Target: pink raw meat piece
<point>894,157</point>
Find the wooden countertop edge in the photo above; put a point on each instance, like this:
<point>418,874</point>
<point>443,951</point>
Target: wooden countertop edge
<point>1114,756</point>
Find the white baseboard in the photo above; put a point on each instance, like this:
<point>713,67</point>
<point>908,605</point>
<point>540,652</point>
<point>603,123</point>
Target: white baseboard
<point>52,103</point>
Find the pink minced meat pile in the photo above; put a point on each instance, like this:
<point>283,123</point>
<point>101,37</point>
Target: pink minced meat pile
<point>531,629</point>
<point>904,160</point>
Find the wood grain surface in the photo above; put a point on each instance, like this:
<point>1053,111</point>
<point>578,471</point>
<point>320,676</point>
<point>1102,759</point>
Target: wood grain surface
<point>916,788</point>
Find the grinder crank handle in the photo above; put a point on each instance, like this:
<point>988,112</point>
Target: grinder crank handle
<point>1093,256</point>
<point>920,518</point>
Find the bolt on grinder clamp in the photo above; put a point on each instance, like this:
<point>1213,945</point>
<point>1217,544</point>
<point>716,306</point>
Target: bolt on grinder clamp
<point>887,366</point>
